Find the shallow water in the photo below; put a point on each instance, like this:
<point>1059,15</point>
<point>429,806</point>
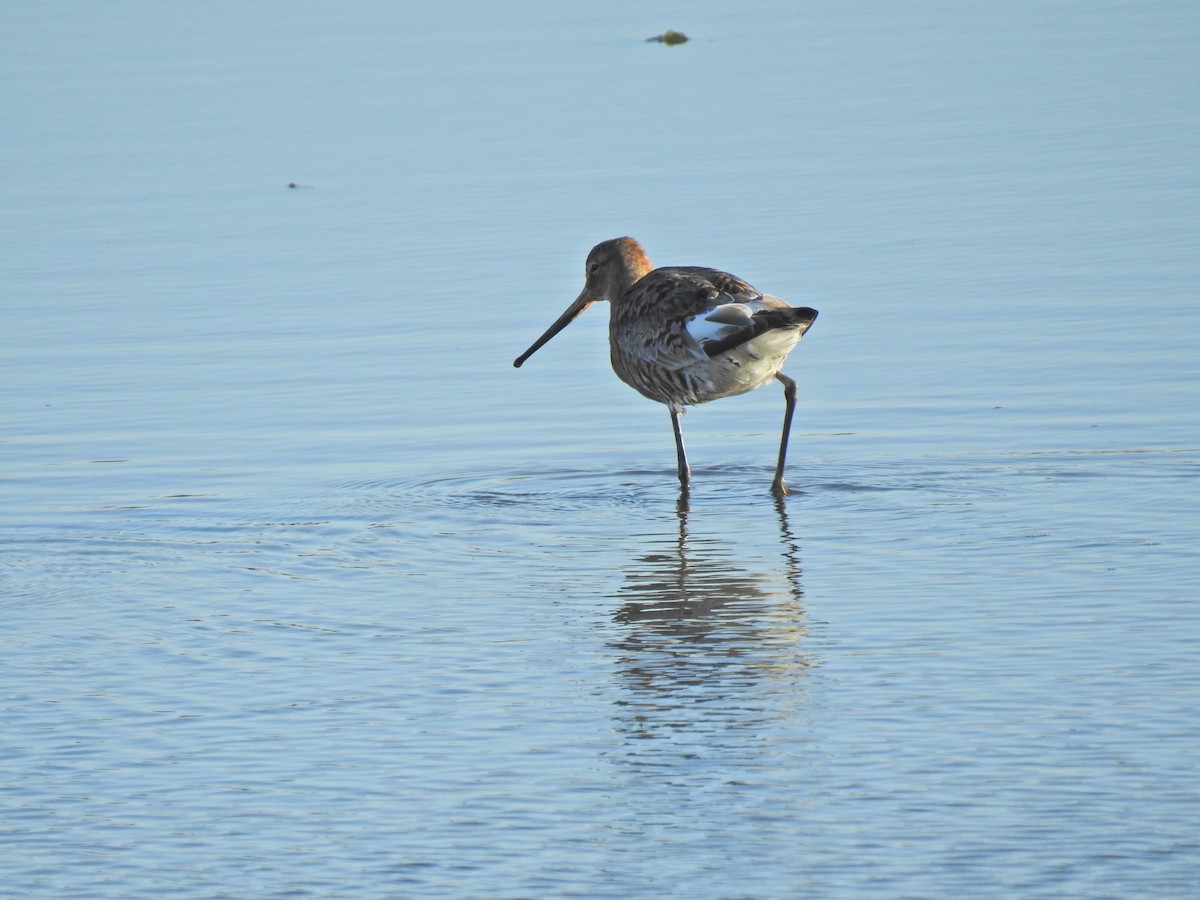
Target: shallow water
<point>308,592</point>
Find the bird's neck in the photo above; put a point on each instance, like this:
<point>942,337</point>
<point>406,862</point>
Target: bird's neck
<point>635,266</point>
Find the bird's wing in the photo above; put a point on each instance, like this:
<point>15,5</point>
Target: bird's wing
<point>673,316</point>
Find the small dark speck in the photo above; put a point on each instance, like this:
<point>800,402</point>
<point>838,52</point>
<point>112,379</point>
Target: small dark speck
<point>669,37</point>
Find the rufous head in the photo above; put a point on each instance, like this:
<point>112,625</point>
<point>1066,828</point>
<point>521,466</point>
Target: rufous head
<point>612,268</point>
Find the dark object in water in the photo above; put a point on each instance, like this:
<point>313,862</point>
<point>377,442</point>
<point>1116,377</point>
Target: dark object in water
<point>669,37</point>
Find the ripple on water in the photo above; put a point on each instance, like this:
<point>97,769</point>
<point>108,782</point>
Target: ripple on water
<point>132,548</point>
<point>561,491</point>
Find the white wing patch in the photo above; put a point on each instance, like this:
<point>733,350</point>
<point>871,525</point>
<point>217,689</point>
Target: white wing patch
<point>722,322</point>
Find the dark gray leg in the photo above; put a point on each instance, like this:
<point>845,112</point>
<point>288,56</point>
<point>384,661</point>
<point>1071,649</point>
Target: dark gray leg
<point>778,488</point>
<point>684,472</point>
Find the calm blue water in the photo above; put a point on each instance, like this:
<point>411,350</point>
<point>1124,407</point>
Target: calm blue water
<point>308,592</point>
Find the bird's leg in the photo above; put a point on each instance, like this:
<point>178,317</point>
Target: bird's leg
<point>778,488</point>
<point>681,457</point>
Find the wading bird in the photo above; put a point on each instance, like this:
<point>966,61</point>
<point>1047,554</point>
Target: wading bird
<point>686,335</point>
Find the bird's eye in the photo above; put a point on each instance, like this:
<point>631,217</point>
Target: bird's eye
<point>593,268</point>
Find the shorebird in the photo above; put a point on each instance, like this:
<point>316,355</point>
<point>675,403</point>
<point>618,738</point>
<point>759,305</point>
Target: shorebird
<point>686,335</point>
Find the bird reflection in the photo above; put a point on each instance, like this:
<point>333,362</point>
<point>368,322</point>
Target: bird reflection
<point>713,636</point>
<point>686,584</point>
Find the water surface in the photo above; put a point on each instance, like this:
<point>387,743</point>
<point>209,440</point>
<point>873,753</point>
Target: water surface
<point>308,592</point>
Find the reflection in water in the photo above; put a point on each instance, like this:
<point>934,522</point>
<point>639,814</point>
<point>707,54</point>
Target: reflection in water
<point>713,640</point>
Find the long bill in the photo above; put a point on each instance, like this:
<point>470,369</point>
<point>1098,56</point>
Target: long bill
<point>582,302</point>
